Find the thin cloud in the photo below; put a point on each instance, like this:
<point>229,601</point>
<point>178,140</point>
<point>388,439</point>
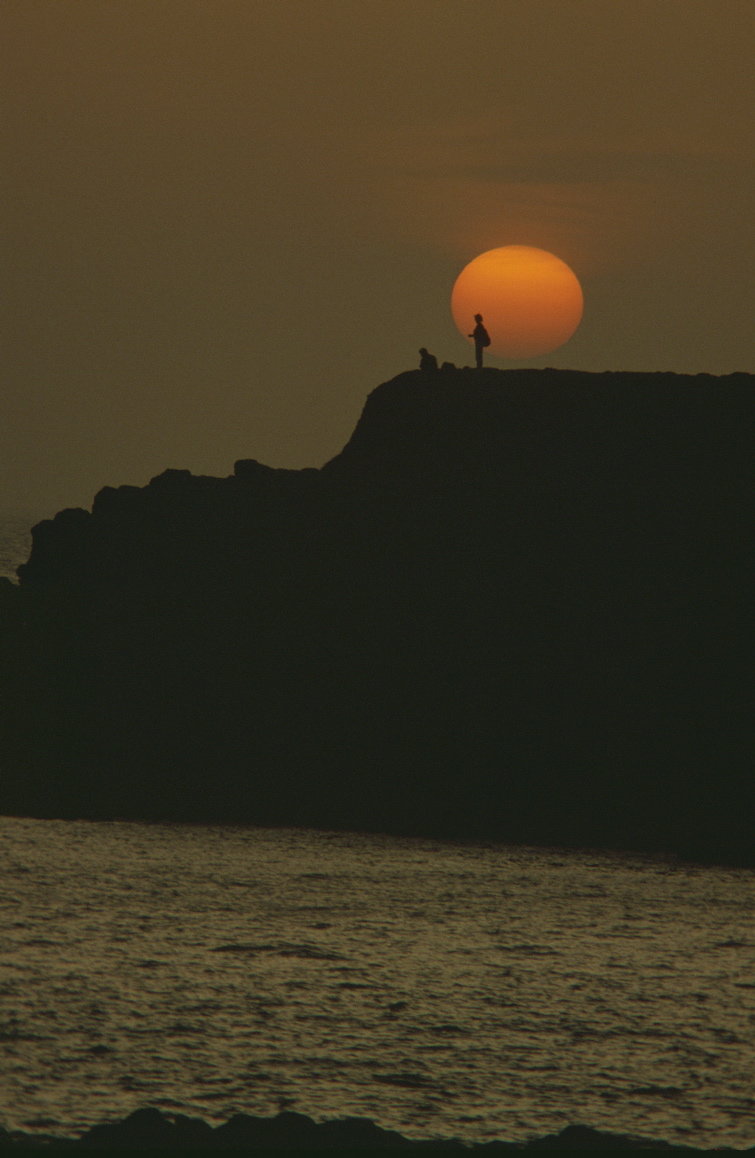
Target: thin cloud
<point>466,185</point>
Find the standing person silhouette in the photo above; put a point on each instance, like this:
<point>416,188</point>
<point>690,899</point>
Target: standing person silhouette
<point>481,339</point>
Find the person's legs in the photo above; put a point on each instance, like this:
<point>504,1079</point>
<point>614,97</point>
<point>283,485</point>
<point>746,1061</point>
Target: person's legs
<point>478,355</point>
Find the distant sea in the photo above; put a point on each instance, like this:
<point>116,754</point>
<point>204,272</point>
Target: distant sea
<point>15,542</point>
<point>440,989</point>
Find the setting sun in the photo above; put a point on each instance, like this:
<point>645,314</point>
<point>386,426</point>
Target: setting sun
<point>530,300</point>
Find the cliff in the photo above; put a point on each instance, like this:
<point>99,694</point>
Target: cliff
<point>516,606</point>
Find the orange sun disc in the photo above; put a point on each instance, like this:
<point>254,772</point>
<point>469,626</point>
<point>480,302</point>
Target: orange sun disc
<point>530,301</point>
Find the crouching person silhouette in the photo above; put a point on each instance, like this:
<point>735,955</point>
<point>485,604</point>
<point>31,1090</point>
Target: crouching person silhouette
<point>481,339</point>
<point>427,361</point>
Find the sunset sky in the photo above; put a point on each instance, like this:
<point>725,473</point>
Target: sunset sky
<point>226,221</point>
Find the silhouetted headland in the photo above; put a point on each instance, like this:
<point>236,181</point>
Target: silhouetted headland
<point>517,606</point>
<point>151,1129</point>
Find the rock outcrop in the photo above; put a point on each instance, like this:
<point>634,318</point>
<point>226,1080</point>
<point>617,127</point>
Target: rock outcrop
<point>150,1129</point>
<point>517,606</point>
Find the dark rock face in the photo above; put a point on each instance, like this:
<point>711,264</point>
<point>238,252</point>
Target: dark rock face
<point>517,606</point>
<point>150,1129</point>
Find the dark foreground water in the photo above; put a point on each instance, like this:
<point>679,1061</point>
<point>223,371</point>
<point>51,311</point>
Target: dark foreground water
<point>441,990</point>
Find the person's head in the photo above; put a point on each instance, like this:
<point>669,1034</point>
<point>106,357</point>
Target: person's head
<point>422,351</point>
<point>478,317</point>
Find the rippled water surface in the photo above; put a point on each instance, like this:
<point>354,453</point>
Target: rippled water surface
<point>439,989</point>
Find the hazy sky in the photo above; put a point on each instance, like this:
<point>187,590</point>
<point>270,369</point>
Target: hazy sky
<point>225,221</point>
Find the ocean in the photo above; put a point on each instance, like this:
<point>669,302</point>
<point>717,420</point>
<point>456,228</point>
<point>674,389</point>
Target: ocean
<point>441,989</point>
<point>15,543</point>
